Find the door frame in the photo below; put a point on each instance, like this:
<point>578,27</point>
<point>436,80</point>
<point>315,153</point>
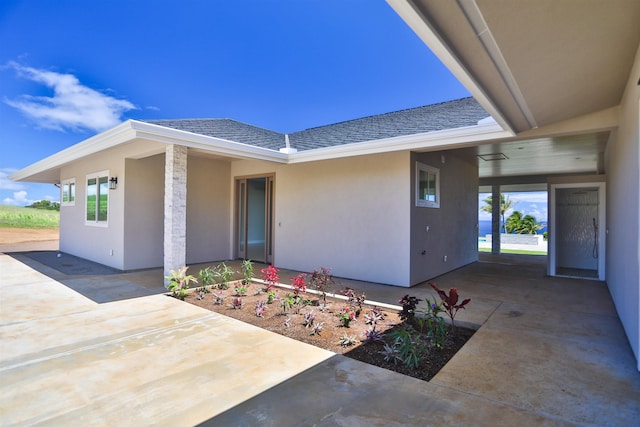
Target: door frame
<point>602,225</point>
<point>240,226</point>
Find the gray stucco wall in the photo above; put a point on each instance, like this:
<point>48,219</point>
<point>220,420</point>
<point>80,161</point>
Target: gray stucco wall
<point>623,212</point>
<point>208,210</point>
<point>452,226</point>
<point>143,212</point>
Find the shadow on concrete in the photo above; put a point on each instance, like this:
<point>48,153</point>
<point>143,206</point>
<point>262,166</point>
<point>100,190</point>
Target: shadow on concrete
<point>99,283</point>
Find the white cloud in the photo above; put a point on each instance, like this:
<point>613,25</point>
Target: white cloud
<point>73,106</point>
<point>19,199</point>
<point>6,183</point>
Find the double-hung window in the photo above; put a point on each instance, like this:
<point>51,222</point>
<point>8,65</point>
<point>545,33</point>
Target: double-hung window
<point>68,189</point>
<point>427,186</point>
<point>97,206</point>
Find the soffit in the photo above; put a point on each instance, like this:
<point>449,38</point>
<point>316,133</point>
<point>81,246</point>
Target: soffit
<point>540,61</point>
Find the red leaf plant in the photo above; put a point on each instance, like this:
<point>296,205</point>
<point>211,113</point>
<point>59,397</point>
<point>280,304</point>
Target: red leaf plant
<point>299,284</point>
<point>450,302</point>
<point>270,276</point>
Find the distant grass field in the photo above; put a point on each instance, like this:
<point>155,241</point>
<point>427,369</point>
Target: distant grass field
<point>19,217</point>
<point>514,251</point>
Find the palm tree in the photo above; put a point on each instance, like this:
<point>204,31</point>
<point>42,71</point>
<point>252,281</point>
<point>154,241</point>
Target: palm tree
<point>514,222</point>
<point>505,205</point>
<point>530,225</point>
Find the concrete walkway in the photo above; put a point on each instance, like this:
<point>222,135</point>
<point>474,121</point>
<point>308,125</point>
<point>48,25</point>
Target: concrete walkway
<point>81,349</point>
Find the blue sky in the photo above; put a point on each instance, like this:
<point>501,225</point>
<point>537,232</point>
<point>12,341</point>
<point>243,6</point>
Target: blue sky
<point>71,69</point>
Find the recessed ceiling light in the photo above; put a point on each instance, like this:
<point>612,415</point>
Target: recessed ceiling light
<point>493,156</point>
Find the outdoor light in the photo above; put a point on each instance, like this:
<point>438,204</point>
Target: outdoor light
<point>113,182</point>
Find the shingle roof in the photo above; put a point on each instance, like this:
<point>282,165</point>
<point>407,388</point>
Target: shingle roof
<point>446,115</point>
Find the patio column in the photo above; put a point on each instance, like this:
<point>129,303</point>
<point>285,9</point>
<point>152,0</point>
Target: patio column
<point>495,219</point>
<point>175,207</point>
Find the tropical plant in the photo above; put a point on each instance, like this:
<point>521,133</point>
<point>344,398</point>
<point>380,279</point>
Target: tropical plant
<point>372,335</point>
<point>408,345</point>
<point>270,276</point>
<point>247,271</point>
<point>316,329</point>
<point>287,322</point>
<point>207,278</point>
<point>299,284</point>
<point>224,274</point>
<point>390,353</point>
<point>309,319</point>
<point>505,205</point>
<point>241,289</point>
<point>346,316</point>
<point>432,324</point>
<point>346,341</point>
<point>527,224</point>
<point>260,308</point>
<point>178,282</point>
<point>236,303</point>
<point>271,295</point>
<point>355,299</point>
<point>450,302</point>
<point>218,297</point>
<point>322,280</point>
<point>409,304</point>
<point>373,316</point>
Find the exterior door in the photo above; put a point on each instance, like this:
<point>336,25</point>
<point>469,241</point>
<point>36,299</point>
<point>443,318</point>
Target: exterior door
<point>254,219</point>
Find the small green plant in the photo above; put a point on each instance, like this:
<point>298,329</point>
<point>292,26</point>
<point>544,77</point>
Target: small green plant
<point>432,324</point>
<point>224,274</point>
<point>207,278</point>
<point>450,302</point>
<point>241,289</point>
<point>346,316</point>
<point>247,271</point>
<point>260,308</point>
<point>316,329</point>
<point>346,341</point>
<point>271,295</point>
<point>178,282</point>
<point>322,281</point>
<point>409,346</point>
<point>287,302</point>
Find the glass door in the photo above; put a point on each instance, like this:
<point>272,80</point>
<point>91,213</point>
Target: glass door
<point>255,219</point>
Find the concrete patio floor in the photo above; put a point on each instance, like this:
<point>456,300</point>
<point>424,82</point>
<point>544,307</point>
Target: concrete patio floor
<point>111,349</point>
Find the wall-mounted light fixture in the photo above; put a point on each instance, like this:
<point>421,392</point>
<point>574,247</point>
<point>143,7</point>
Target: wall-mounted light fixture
<point>113,183</point>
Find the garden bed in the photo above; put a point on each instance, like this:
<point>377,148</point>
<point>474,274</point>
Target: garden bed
<point>290,322</point>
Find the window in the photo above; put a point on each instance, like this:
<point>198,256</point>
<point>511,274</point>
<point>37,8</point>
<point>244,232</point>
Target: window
<point>97,199</point>
<point>427,186</point>
<point>68,189</point>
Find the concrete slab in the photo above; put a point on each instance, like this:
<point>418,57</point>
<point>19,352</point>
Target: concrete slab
<point>112,350</point>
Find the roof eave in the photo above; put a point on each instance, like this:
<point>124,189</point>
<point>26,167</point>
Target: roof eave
<point>437,140</point>
<point>426,31</point>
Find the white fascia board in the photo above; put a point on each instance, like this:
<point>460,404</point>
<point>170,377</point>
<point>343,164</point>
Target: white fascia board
<point>215,145</point>
<point>423,29</point>
<point>107,139</point>
<point>429,141</point>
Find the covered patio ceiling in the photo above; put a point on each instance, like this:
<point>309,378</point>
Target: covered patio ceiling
<point>535,66</point>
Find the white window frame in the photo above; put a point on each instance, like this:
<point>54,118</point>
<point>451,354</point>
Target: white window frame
<point>96,222</point>
<point>421,167</point>
<point>70,185</point>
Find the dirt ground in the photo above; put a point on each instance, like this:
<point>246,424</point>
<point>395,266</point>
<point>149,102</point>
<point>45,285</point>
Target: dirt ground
<point>10,236</point>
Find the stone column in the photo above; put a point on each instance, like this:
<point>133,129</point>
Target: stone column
<point>495,219</point>
<point>175,207</point>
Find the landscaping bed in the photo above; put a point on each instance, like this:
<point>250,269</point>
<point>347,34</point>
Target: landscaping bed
<point>372,332</point>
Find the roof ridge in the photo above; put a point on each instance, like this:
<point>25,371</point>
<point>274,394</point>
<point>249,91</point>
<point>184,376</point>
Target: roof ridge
<point>382,114</point>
